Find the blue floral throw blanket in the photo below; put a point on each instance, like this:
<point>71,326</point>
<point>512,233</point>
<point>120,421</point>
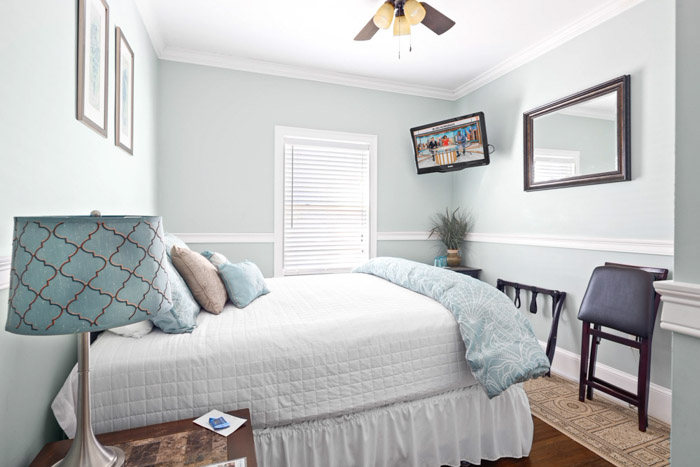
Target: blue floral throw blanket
<point>501,347</point>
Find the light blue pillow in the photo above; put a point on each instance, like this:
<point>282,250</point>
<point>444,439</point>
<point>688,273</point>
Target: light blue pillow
<point>214,258</point>
<point>244,282</point>
<point>171,241</point>
<point>182,317</point>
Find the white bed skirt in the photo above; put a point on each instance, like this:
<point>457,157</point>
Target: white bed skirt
<point>444,429</point>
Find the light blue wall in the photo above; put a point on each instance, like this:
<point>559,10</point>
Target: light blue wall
<point>639,209</point>
<point>686,349</point>
<point>217,131</point>
<point>53,164</point>
<point>687,160</point>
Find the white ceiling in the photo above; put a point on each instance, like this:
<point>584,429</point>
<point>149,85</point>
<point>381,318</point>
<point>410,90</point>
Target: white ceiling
<point>314,39</point>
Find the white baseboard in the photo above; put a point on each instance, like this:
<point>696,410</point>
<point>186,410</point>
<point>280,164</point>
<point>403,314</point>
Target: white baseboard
<point>568,365</point>
<point>4,272</point>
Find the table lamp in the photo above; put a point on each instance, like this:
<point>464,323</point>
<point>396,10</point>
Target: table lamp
<point>75,275</point>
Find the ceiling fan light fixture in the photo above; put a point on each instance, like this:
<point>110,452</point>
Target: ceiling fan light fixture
<point>385,13</point>
<point>401,26</point>
<point>414,12</point>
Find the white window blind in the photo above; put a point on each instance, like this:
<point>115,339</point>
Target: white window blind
<point>326,206</point>
<point>555,164</point>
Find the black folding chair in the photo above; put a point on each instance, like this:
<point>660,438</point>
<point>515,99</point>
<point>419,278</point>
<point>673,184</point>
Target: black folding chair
<point>620,297</point>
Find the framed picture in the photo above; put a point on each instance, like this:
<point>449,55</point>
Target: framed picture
<point>93,48</point>
<point>124,95</point>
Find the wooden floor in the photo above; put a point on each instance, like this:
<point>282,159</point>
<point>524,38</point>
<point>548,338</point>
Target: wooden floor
<point>551,448</point>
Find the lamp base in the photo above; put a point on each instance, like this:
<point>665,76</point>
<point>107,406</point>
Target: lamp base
<point>86,451</point>
<point>117,459</point>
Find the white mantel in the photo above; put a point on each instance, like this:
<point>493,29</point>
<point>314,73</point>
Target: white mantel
<point>681,311</point>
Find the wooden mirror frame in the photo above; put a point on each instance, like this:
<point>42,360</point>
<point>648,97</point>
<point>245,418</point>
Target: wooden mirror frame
<point>620,85</point>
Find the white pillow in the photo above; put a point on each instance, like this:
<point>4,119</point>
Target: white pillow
<point>136,330</point>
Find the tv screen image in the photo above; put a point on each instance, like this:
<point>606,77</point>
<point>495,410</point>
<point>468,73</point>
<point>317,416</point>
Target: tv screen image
<point>451,144</point>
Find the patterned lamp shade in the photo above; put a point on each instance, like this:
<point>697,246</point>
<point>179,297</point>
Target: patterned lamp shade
<point>79,274</point>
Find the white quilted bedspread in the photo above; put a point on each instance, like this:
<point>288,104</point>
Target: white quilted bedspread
<point>316,346</point>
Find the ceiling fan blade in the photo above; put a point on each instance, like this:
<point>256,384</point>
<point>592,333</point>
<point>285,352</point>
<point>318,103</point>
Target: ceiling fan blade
<point>367,32</point>
<point>436,21</point>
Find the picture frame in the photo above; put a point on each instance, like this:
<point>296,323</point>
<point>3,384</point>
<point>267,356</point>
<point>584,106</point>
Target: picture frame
<point>604,107</point>
<point>93,65</point>
<point>124,94</point>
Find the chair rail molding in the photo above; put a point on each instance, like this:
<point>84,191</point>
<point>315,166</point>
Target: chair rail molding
<point>639,246</point>
<point>620,245</point>
<point>226,237</point>
<point>4,272</point>
<point>681,311</point>
<point>404,236</point>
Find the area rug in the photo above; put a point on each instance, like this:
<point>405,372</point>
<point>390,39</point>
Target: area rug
<point>606,428</point>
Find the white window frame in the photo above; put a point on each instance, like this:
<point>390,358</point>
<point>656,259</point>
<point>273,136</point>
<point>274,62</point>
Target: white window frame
<point>282,132</point>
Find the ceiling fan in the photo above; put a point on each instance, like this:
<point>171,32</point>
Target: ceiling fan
<point>408,13</point>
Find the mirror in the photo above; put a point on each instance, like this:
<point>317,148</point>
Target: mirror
<point>579,140</point>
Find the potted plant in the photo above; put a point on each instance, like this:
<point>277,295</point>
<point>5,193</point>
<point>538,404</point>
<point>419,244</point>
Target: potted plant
<point>451,229</point>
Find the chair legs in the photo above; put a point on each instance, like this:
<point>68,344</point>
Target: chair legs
<point>594,356</point>
<point>643,383</point>
<point>585,341</point>
<point>589,352</point>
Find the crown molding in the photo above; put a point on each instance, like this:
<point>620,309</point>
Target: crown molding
<point>573,30</point>
<point>4,272</point>
<point>579,111</point>
<point>176,54</point>
<point>681,311</point>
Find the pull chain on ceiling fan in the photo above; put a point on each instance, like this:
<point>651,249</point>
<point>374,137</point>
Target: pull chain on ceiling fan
<point>408,13</point>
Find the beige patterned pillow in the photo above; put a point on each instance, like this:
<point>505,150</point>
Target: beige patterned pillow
<point>201,277</point>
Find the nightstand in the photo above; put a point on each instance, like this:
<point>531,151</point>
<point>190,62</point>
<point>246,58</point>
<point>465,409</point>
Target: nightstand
<point>194,444</point>
<point>473,272</point>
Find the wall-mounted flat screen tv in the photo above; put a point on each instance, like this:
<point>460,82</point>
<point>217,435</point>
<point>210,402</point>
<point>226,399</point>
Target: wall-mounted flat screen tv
<point>452,144</point>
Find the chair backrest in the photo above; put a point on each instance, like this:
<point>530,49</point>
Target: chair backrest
<point>622,298</point>
<point>660,274</point>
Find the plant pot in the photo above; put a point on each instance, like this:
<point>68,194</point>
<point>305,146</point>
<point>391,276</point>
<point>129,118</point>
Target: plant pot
<point>453,258</point>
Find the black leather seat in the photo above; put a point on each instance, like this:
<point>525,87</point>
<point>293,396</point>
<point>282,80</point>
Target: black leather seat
<point>620,297</point>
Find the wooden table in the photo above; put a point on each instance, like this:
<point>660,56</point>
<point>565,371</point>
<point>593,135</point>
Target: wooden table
<point>473,272</point>
<point>238,444</point>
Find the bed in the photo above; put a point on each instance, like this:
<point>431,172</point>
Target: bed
<point>342,370</point>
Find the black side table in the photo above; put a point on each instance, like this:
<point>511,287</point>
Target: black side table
<point>474,272</point>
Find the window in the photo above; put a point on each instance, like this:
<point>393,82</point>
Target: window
<point>325,203</point>
<point>555,164</point>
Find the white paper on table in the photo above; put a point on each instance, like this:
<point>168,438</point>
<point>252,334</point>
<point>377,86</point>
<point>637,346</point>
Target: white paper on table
<point>242,462</point>
<point>235,422</point>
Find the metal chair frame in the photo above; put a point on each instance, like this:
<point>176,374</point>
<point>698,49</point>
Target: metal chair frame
<point>558,298</point>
